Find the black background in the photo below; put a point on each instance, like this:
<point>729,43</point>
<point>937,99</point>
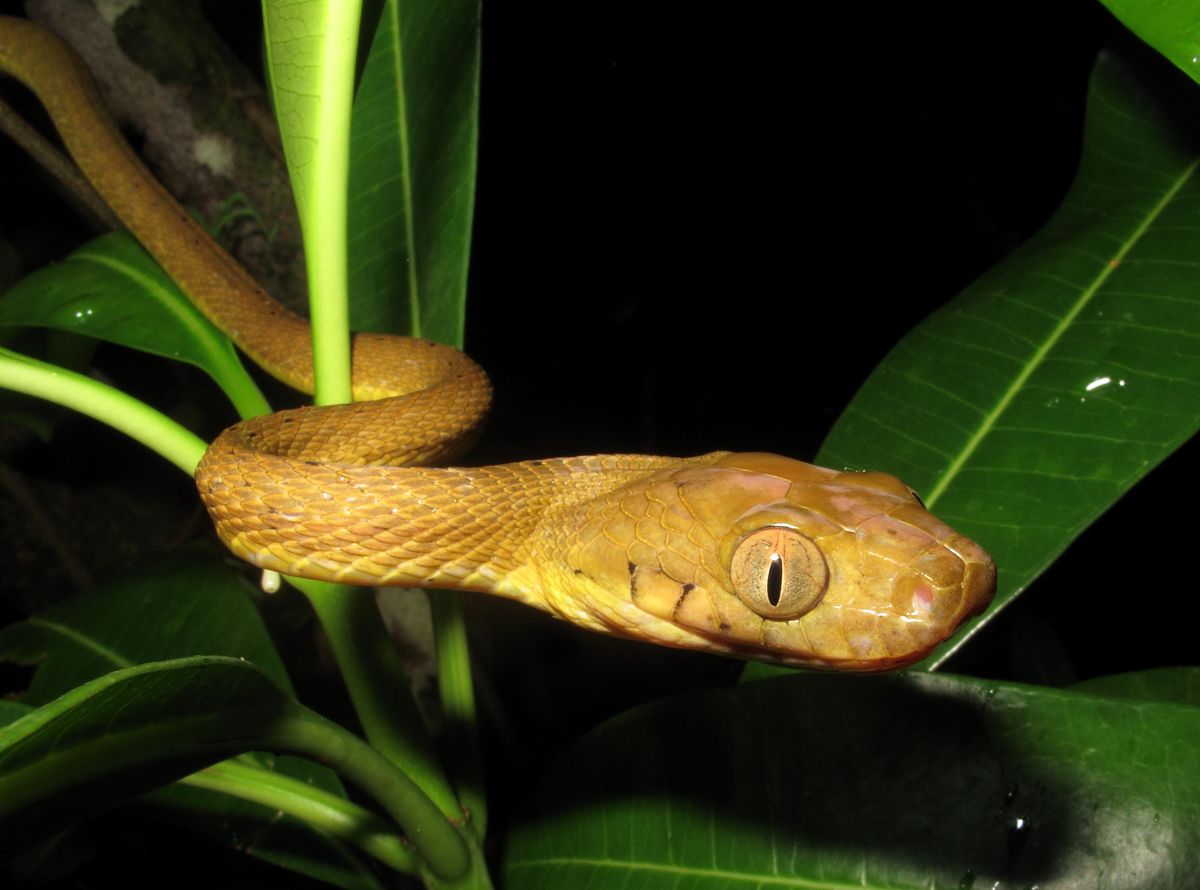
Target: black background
<point>699,231</point>
<point>701,228</point>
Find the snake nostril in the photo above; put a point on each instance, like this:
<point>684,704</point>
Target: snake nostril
<point>922,599</point>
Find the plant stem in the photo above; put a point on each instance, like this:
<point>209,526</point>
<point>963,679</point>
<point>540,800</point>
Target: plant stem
<point>458,705</point>
<point>378,685</point>
<point>439,843</point>
<point>104,403</point>
<point>335,815</point>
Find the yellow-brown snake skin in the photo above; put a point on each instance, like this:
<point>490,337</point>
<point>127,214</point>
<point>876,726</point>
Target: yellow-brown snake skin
<point>747,554</point>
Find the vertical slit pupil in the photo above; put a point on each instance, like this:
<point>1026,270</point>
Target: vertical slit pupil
<point>775,579</point>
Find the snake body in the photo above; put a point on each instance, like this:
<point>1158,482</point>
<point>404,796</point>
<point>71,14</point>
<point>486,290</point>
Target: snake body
<point>753,555</point>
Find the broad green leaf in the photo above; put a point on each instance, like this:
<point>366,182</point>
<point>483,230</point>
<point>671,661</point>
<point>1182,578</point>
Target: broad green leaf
<point>1180,685</point>
<point>125,733</point>
<point>282,840</point>
<point>129,731</point>
<point>913,781</point>
<point>1026,407</point>
<point>179,607</point>
<point>11,710</point>
<point>1170,26</point>
<point>412,170</point>
<point>112,290</point>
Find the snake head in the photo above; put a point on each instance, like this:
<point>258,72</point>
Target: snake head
<point>766,557</point>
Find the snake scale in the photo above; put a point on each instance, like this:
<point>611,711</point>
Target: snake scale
<point>752,555</point>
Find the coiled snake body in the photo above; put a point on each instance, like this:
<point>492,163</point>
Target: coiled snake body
<point>748,554</point>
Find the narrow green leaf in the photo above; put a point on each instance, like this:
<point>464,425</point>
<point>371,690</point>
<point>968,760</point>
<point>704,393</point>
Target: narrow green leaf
<point>412,171</point>
<point>1170,26</point>
<point>311,47</point>
<point>112,290</point>
<point>913,781</point>
<point>412,193</point>
<point>1031,403</point>
<point>411,202</point>
<point>59,348</point>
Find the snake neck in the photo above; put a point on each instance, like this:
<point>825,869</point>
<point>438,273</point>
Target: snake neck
<point>466,528</point>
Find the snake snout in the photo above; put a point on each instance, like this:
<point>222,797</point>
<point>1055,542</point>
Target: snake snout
<point>979,580</point>
<point>937,592</point>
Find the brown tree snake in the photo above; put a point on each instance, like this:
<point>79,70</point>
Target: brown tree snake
<point>753,555</point>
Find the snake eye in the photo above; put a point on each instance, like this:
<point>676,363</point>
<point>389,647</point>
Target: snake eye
<point>778,572</point>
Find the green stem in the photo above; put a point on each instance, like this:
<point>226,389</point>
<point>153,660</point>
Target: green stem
<point>378,685</point>
<point>437,841</point>
<point>335,815</point>
<point>104,403</point>
<point>320,177</point>
<point>458,706</point>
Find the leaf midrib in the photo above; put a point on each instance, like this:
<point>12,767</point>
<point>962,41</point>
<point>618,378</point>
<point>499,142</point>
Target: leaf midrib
<point>692,871</point>
<point>1064,324</point>
<point>406,177</point>
<point>89,643</point>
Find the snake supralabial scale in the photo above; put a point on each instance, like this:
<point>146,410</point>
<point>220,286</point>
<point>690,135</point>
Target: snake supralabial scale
<point>753,555</point>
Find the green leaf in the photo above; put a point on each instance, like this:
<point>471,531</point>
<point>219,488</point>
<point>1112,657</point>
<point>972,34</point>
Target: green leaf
<point>12,710</point>
<point>310,59</point>
<point>919,780</point>
<point>125,733</point>
<point>112,290</point>
<point>1180,685</point>
<point>1029,405</point>
<point>1170,26</point>
<point>129,731</point>
<point>411,201</point>
<point>311,68</point>
<point>179,607</point>
<point>412,171</point>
